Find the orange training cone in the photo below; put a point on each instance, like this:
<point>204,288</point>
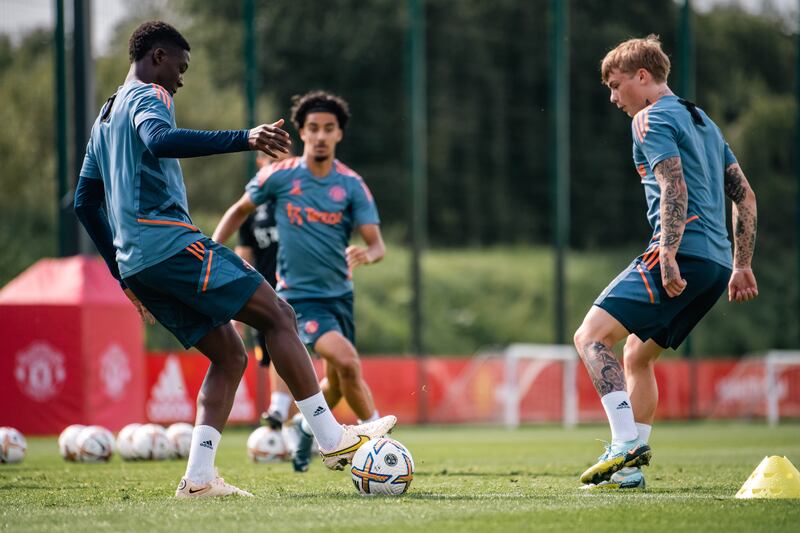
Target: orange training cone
<point>774,477</point>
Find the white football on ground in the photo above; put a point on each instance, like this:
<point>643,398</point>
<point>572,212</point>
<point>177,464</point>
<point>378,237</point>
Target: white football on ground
<point>180,436</point>
<point>150,441</point>
<point>125,442</point>
<point>95,444</point>
<point>12,445</point>
<point>66,442</point>
<point>265,445</point>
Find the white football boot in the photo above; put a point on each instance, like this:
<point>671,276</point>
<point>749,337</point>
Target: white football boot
<point>353,438</point>
<point>213,489</point>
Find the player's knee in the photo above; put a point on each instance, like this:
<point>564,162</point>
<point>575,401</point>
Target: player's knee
<point>588,334</point>
<point>288,318</point>
<point>348,366</point>
<point>280,317</point>
<point>583,336</point>
<point>637,359</point>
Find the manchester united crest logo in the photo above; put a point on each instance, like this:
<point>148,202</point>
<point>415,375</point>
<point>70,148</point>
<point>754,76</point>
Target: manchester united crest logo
<point>337,193</point>
<point>40,371</point>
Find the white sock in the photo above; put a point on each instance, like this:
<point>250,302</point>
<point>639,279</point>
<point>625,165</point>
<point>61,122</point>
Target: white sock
<point>202,452</point>
<point>279,403</point>
<point>321,421</point>
<point>644,431</point>
<point>620,415</point>
<point>373,418</point>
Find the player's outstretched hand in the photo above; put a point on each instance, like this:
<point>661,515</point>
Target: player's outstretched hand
<point>357,256</point>
<point>671,276</point>
<point>270,139</point>
<point>742,287</point>
<point>143,312</point>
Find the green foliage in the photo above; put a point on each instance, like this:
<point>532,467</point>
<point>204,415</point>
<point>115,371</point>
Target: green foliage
<point>488,109</point>
<point>467,479</point>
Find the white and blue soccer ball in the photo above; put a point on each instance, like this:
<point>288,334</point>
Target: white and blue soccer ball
<point>265,445</point>
<point>12,445</point>
<point>95,444</point>
<point>67,446</point>
<point>125,442</point>
<point>180,436</point>
<point>382,467</point>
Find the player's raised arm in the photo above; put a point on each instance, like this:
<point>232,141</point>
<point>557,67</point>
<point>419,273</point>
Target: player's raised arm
<point>742,286</point>
<point>674,202</point>
<point>162,140</point>
<point>233,218</point>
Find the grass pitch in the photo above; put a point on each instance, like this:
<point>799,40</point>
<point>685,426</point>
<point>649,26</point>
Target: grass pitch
<point>467,479</point>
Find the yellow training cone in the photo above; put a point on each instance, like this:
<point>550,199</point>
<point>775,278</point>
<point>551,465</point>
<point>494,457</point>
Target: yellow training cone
<point>775,477</point>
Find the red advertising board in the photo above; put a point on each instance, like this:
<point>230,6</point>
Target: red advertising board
<point>71,351</point>
<point>456,390</point>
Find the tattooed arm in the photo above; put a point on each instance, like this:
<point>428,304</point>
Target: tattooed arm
<point>674,201</point>
<point>742,286</point>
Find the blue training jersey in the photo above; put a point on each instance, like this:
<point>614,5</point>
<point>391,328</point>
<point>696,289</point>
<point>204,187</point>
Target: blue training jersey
<point>145,196</point>
<point>315,217</point>
<point>666,129</point>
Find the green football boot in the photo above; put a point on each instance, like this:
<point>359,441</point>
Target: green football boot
<point>625,478</point>
<point>616,457</point>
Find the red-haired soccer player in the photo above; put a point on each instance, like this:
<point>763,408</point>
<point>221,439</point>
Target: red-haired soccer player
<point>687,170</point>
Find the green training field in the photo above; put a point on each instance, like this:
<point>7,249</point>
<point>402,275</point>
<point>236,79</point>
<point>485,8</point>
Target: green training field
<point>467,479</point>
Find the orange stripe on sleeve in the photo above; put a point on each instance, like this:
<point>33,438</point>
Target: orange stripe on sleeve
<point>208,269</point>
<point>646,283</point>
<point>197,249</point>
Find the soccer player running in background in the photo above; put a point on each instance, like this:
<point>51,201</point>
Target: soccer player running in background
<point>132,200</point>
<point>687,170</point>
<point>258,245</point>
<point>319,201</point>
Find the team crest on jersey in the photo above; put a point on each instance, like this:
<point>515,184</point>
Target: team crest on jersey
<point>296,190</point>
<point>337,193</point>
<point>311,327</point>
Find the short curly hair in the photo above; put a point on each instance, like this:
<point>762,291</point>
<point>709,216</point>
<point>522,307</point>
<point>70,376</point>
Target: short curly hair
<point>151,34</point>
<point>633,54</point>
<point>319,101</point>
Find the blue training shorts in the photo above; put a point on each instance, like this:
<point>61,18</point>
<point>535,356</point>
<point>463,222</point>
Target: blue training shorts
<point>637,299</point>
<point>317,316</point>
<point>196,290</point>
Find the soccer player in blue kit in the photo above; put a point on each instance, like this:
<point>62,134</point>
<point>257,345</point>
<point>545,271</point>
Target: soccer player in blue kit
<point>687,170</point>
<point>319,201</point>
<point>132,200</point>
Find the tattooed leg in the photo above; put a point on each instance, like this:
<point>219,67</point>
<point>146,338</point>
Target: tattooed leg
<point>603,367</point>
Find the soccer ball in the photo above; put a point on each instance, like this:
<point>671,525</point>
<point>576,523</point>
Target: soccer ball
<point>125,442</point>
<point>12,445</point>
<point>150,441</point>
<point>382,467</point>
<point>265,445</point>
<point>180,436</point>
<point>95,444</point>
<point>66,442</point>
